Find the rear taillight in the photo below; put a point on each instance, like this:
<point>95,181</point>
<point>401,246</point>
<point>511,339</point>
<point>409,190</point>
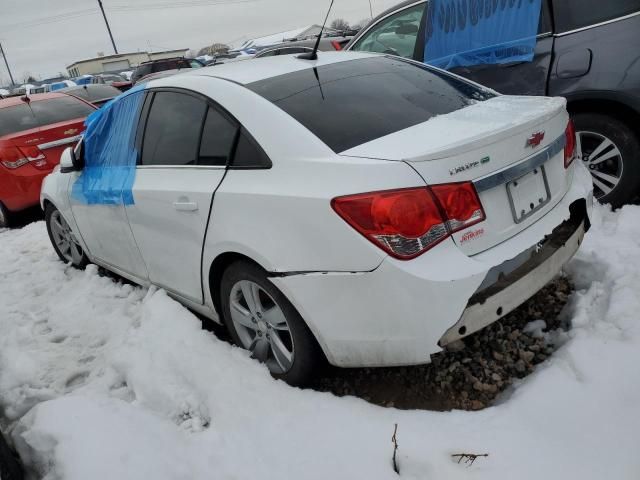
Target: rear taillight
<point>406,223</point>
<point>14,157</point>
<point>336,44</point>
<point>570,144</point>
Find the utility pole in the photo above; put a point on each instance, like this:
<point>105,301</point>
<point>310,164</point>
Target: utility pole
<point>6,62</point>
<point>108,27</point>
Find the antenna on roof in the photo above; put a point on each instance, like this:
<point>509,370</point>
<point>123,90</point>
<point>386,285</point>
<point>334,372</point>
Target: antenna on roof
<point>313,55</point>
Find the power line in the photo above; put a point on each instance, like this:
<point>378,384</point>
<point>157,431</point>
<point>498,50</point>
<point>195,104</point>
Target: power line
<point>161,6</point>
<point>51,19</point>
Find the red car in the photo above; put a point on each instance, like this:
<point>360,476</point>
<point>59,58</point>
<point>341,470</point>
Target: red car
<point>34,131</point>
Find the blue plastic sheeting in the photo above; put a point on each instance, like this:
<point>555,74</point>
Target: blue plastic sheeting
<point>109,152</point>
<point>461,33</point>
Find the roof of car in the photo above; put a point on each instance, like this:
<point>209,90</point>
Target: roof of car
<point>269,67</point>
<point>17,100</point>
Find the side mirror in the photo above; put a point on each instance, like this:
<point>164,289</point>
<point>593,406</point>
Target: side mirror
<point>71,159</point>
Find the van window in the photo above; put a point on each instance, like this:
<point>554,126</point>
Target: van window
<point>572,14</point>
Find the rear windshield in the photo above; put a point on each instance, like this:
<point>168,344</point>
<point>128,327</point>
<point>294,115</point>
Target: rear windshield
<point>42,112</point>
<point>349,103</point>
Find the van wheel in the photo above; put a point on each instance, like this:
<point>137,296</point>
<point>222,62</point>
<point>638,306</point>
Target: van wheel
<point>63,239</point>
<point>261,319</point>
<point>4,216</point>
<point>611,152</point>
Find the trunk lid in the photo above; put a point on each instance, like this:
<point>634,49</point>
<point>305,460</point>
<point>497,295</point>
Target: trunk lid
<point>48,141</point>
<point>510,147</point>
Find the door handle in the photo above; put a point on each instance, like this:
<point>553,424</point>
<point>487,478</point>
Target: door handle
<point>185,206</point>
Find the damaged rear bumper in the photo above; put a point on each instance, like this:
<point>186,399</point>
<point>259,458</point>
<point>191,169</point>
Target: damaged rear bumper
<point>519,279</point>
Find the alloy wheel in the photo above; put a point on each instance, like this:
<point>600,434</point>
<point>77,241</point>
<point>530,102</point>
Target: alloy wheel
<point>603,159</point>
<point>261,326</point>
<point>64,239</point>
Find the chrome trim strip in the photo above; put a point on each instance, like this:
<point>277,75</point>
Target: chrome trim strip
<point>57,143</point>
<point>514,172</point>
<point>607,22</point>
<point>181,167</point>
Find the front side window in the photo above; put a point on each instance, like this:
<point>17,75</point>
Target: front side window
<point>395,35</point>
<point>172,132</point>
<point>573,14</point>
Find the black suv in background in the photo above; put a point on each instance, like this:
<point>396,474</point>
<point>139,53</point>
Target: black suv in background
<point>155,66</point>
<point>587,51</point>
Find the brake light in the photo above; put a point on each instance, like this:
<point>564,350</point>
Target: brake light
<point>570,144</point>
<point>14,157</point>
<point>336,44</point>
<point>407,222</point>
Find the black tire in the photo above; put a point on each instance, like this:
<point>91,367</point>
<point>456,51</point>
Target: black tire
<point>307,353</point>
<point>627,168</point>
<point>82,260</point>
<point>5,217</point>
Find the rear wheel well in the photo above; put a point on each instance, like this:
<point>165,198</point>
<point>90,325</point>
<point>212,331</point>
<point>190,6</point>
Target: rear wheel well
<point>614,109</point>
<point>219,265</point>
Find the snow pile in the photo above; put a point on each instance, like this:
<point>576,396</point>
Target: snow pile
<point>103,380</point>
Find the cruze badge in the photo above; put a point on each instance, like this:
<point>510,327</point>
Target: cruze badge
<point>469,166</point>
<point>71,131</point>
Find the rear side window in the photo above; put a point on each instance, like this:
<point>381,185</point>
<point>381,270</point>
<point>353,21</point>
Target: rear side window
<point>249,154</point>
<point>172,133</point>
<point>218,136</point>
<point>349,103</point>
<point>40,113</point>
<point>573,14</point>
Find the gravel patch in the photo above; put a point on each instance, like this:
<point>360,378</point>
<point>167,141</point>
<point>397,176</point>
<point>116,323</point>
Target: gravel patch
<point>472,378</point>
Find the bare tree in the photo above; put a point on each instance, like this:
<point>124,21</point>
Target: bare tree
<point>214,49</point>
<point>360,24</point>
<point>340,24</point>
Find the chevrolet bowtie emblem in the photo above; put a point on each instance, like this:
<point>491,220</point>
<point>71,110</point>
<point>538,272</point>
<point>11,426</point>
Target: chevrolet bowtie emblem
<point>536,139</point>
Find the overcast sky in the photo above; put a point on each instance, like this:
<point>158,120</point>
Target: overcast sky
<point>42,37</point>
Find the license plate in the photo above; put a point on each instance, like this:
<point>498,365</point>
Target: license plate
<point>528,194</point>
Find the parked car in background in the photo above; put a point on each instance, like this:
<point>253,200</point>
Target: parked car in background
<point>33,133</point>
<point>60,85</point>
<point>4,92</point>
<point>583,53</point>
<point>96,95</point>
<point>406,240</point>
<point>156,66</point>
<point>289,48</point>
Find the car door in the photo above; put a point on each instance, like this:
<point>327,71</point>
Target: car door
<point>102,222</point>
<point>402,33</point>
<point>185,147</point>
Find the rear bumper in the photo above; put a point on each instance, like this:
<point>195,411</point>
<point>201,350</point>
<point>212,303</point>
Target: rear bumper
<point>403,312</point>
<point>20,188</point>
<point>519,282</point>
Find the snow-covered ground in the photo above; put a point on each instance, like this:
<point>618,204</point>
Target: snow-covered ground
<point>103,380</point>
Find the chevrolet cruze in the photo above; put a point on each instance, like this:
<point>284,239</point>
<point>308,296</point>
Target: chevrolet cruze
<point>359,208</point>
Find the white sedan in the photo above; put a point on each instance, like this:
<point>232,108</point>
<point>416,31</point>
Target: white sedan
<point>358,208</point>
